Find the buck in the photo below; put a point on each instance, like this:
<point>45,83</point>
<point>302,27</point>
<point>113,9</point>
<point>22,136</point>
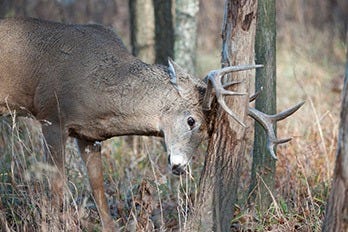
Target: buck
<point>80,81</point>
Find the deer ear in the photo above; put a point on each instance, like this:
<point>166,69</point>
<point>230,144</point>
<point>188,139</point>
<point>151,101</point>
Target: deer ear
<point>171,72</point>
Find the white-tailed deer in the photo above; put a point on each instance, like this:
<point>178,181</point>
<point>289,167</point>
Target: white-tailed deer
<point>82,82</point>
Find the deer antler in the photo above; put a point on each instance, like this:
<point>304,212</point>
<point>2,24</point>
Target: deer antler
<point>268,121</point>
<point>253,97</point>
<point>213,80</point>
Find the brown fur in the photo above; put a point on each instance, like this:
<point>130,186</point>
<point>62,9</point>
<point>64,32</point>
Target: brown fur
<point>82,80</point>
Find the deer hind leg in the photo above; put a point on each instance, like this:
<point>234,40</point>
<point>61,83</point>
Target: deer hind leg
<point>91,155</point>
<point>55,154</point>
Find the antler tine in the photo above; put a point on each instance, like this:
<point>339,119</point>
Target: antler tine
<point>268,122</point>
<point>222,102</point>
<point>287,113</point>
<point>231,83</point>
<point>253,97</point>
<point>229,69</point>
<point>214,81</point>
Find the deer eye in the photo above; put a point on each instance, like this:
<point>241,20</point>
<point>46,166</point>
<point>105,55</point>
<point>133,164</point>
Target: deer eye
<point>191,121</point>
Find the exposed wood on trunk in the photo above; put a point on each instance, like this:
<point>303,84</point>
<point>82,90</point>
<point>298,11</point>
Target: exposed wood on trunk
<point>219,180</point>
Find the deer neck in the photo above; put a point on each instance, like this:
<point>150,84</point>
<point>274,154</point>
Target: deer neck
<point>136,100</point>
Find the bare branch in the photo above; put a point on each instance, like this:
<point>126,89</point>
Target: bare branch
<point>268,122</point>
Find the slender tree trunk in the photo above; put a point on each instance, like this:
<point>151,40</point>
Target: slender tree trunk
<point>263,166</point>
<point>142,28</point>
<point>214,205</point>
<point>186,34</point>
<point>336,218</point>
<point>164,31</point>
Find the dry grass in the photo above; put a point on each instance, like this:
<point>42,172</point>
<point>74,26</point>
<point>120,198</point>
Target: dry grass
<point>141,194</point>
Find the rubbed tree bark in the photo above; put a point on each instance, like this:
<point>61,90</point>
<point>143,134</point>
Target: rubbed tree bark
<point>336,218</point>
<point>164,31</point>
<point>263,166</point>
<point>214,205</point>
<point>186,34</point>
<point>142,28</point>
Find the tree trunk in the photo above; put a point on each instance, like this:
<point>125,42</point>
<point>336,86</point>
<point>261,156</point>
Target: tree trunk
<point>214,205</point>
<point>336,218</point>
<point>11,8</point>
<point>186,34</point>
<point>164,31</point>
<point>142,28</point>
<point>263,166</point>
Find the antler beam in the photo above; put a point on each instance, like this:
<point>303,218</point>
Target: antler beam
<point>214,81</point>
<point>268,122</point>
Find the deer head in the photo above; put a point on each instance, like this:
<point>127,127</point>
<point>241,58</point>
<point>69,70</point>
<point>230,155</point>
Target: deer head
<point>189,126</point>
<point>186,122</point>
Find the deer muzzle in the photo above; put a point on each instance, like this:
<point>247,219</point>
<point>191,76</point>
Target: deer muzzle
<point>177,164</point>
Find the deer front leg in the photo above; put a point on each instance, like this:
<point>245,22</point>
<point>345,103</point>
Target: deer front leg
<point>55,155</point>
<point>90,153</point>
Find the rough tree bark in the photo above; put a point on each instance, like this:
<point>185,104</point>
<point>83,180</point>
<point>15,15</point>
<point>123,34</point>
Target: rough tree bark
<point>263,166</point>
<point>214,205</point>
<point>336,218</point>
<point>164,31</point>
<point>186,34</point>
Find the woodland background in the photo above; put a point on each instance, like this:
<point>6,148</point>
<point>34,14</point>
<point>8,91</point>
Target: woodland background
<point>142,193</point>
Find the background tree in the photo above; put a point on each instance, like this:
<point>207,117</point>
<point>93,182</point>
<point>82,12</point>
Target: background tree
<point>217,194</point>
<point>142,29</point>
<point>263,165</point>
<point>164,31</point>
<point>186,34</point>
<point>10,8</point>
<point>336,218</point>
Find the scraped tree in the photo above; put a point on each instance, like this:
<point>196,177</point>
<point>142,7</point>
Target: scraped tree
<point>336,218</point>
<point>186,33</point>
<point>214,205</point>
<point>263,166</point>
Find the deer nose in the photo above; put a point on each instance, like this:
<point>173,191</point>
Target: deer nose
<point>177,163</point>
<point>178,170</point>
